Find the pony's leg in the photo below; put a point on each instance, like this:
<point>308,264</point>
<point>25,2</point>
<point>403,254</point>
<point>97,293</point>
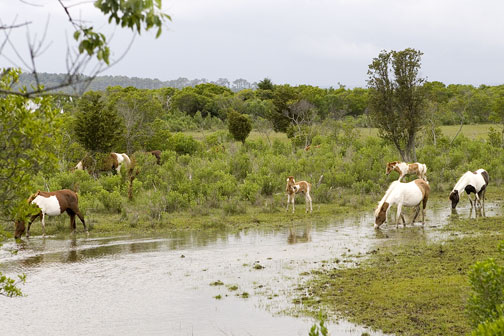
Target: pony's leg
<point>417,211</point>
<point>308,199</point>
<point>32,218</point>
<point>293,200</point>
<point>423,210</point>
<point>72,222</point>
<point>483,198</point>
<point>82,220</point>
<point>43,224</point>
<point>398,215</point>
<point>288,201</point>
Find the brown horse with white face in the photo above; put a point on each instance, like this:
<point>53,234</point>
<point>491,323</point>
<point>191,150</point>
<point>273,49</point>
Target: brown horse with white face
<point>52,204</point>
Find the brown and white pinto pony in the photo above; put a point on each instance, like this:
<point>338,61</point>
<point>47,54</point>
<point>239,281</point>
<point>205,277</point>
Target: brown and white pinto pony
<point>113,162</point>
<point>293,188</point>
<point>471,182</point>
<point>409,194</point>
<point>404,168</point>
<point>52,204</point>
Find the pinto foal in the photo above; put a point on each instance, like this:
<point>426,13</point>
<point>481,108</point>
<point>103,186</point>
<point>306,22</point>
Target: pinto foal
<point>52,204</point>
<point>404,168</point>
<point>293,188</point>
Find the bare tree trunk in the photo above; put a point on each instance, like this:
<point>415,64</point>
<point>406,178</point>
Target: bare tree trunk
<point>460,129</point>
<point>411,149</point>
<point>401,151</point>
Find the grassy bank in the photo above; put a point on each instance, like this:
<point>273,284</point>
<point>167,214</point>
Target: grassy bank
<point>475,131</point>
<point>417,288</point>
<point>239,217</point>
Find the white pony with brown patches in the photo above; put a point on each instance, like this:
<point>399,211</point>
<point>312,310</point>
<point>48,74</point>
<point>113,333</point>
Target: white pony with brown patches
<point>409,194</point>
<point>294,188</point>
<point>404,168</point>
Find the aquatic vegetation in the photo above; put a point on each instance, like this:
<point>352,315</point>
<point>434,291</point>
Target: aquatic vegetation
<point>416,288</point>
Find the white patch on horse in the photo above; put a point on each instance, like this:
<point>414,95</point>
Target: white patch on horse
<point>122,158</point>
<point>48,205</point>
<point>79,166</point>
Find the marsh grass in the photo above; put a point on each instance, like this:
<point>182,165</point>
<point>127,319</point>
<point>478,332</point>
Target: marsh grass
<point>416,288</point>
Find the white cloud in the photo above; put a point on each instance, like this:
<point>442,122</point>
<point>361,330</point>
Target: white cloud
<point>303,41</point>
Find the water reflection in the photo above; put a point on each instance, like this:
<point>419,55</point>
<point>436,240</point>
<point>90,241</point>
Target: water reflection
<point>141,285</point>
<point>294,237</point>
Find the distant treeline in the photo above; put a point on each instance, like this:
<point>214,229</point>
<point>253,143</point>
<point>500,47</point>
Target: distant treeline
<point>101,83</point>
<point>286,105</point>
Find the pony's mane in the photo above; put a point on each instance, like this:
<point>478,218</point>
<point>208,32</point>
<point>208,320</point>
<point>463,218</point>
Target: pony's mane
<point>32,196</point>
<point>385,197</point>
<point>460,181</point>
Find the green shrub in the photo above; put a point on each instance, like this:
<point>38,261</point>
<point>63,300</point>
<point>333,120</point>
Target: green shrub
<point>486,303</point>
<point>112,201</point>
<point>111,182</point>
<point>233,207</point>
<point>183,144</point>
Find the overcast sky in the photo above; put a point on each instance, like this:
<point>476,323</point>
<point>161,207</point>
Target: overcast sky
<point>297,42</point>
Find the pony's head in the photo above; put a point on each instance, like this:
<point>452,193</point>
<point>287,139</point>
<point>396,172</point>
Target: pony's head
<point>381,214</point>
<point>454,198</point>
<point>391,166</point>
<point>290,183</point>
<point>19,226</point>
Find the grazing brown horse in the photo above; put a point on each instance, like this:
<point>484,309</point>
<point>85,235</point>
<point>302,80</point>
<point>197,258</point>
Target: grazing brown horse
<point>157,154</point>
<point>52,204</point>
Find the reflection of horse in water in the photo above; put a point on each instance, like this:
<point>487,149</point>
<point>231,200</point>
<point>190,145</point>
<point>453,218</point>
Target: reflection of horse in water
<point>295,238</point>
<point>478,212</point>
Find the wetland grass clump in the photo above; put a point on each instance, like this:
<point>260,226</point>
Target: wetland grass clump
<point>413,289</point>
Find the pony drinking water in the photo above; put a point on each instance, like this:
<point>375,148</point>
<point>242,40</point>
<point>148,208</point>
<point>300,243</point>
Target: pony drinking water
<point>409,194</point>
<point>52,204</point>
<point>294,188</point>
<point>404,168</point>
<point>472,182</point>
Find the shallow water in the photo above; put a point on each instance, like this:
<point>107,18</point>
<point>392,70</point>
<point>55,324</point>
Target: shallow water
<point>161,285</point>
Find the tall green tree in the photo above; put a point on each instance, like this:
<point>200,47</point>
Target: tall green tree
<point>97,127</point>
<point>396,98</point>
<point>239,125</point>
<point>138,109</point>
<point>26,144</point>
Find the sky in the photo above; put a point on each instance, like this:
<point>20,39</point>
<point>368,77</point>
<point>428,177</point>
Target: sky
<point>317,42</point>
